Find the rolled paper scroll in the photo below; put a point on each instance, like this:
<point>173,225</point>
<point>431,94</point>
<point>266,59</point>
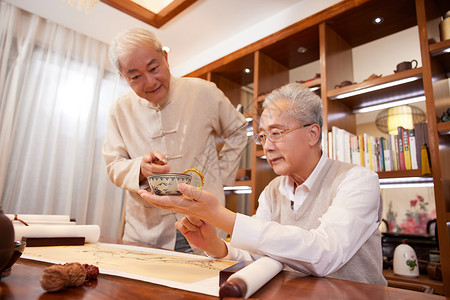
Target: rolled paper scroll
<point>91,233</point>
<point>249,279</point>
<point>39,218</point>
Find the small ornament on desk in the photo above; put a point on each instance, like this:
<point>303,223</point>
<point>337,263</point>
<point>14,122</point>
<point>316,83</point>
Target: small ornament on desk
<point>58,277</point>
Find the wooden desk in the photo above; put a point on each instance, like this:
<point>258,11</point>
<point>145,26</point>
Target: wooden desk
<point>23,284</point>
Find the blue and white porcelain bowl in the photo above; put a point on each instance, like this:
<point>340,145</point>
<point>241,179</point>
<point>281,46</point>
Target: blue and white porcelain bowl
<point>167,184</point>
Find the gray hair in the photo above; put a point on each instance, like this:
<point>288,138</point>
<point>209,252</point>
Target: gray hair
<point>304,105</point>
<point>125,42</point>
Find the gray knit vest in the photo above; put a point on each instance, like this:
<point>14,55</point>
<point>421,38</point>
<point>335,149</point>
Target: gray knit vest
<point>367,263</point>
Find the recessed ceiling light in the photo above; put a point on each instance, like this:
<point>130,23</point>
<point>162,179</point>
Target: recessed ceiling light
<point>302,49</point>
<point>247,70</point>
<point>378,20</point>
<point>165,48</point>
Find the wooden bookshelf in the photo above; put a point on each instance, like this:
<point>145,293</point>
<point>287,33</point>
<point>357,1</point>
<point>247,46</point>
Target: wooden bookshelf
<point>331,35</point>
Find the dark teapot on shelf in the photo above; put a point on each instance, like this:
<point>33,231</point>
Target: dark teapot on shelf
<point>406,65</point>
<point>6,242</point>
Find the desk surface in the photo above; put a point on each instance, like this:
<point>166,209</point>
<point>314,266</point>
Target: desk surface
<point>23,283</point>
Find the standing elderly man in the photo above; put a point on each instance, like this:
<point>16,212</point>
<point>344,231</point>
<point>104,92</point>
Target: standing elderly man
<point>319,217</point>
<point>165,124</point>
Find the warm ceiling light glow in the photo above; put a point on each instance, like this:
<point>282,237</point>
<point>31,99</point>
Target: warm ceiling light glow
<point>378,20</point>
<point>247,70</point>
<point>153,5</point>
<point>302,49</point>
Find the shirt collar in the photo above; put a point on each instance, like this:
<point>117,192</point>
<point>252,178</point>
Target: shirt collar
<point>287,183</point>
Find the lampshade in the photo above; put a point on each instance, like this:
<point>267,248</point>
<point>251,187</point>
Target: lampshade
<point>405,116</point>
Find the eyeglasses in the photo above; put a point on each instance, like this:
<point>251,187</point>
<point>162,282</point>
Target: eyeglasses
<point>274,135</point>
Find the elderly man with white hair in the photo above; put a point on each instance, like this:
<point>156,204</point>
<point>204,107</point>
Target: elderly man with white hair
<point>165,124</point>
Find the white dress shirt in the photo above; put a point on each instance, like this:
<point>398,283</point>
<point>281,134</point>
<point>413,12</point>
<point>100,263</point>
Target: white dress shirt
<point>350,220</point>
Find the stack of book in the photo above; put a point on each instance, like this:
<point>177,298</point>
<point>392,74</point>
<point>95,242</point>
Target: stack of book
<point>396,152</point>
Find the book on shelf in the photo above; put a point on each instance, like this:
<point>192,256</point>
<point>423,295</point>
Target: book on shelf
<point>361,149</point>
<point>341,144</point>
<point>406,147</point>
<point>386,154</point>
<point>355,152</point>
<point>366,150</point>
<point>394,152</point>
<point>382,164</point>
<point>347,146</point>
<point>413,148</point>
<point>421,138</point>
<point>400,149</point>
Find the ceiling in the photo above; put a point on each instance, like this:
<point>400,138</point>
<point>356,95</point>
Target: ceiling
<point>206,31</point>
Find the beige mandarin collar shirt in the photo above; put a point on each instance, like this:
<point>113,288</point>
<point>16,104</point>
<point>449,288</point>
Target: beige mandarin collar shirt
<point>184,130</point>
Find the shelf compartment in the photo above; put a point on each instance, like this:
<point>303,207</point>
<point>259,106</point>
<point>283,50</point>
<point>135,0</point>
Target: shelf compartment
<point>441,52</point>
<point>287,53</point>
<point>234,70</point>
<point>374,92</point>
<point>439,48</point>
<point>444,128</point>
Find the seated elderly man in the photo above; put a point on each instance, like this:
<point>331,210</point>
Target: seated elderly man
<point>319,217</point>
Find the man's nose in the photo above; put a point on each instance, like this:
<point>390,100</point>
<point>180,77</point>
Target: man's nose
<point>150,79</point>
<point>267,143</point>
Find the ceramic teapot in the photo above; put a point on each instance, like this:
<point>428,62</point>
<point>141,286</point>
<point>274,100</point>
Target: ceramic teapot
<point>7,241</point>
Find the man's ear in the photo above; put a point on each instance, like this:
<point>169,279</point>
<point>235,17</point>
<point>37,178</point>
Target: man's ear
<point>166,56</point>
<point>314,134</point>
